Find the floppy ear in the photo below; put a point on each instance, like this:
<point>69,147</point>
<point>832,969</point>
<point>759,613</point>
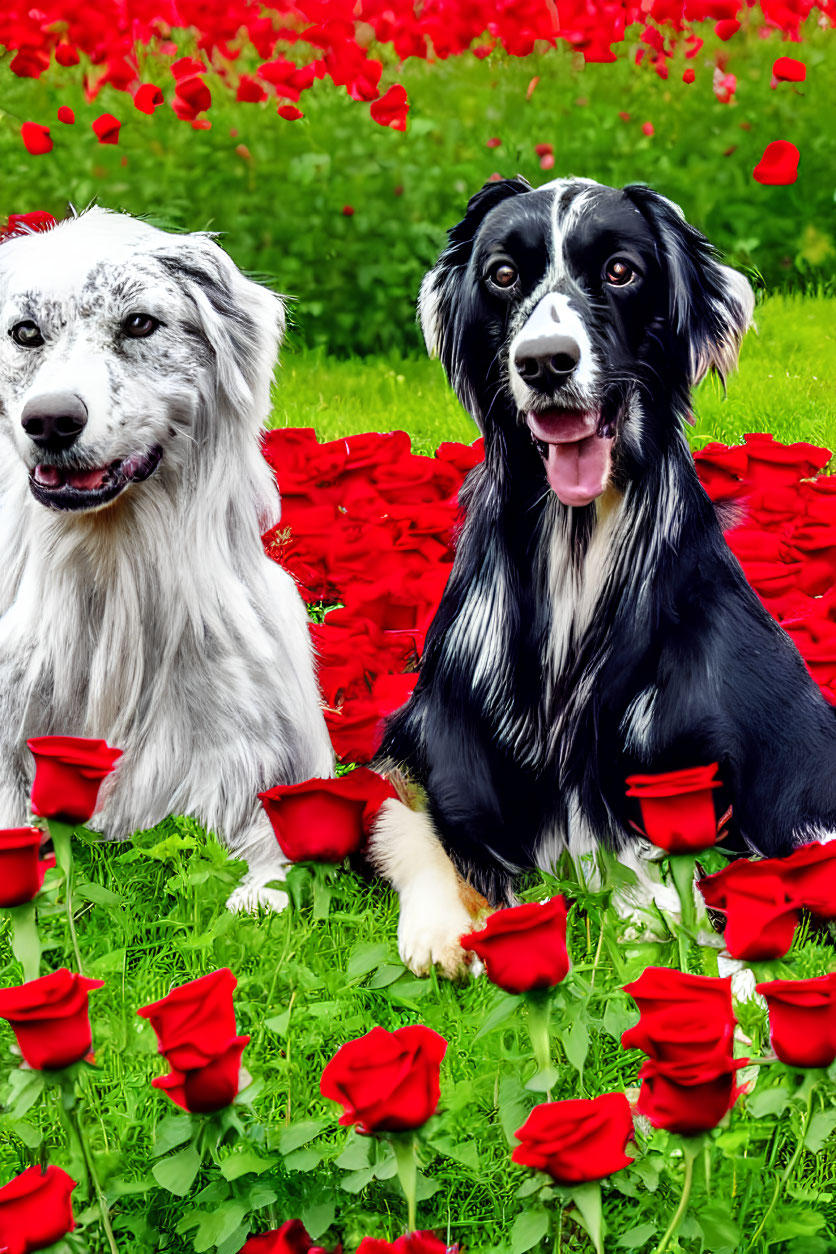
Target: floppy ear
<point>242,321</point>
<point>711,305</point>
<point>438,286</point>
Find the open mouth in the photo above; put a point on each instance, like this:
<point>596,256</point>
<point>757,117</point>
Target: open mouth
<point>576,457</point>
<point>66,488</point>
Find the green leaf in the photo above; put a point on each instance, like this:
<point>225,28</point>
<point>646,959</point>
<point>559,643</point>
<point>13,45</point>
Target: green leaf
<point>25,1087</point>
<point>365,958</point>
<point>322,895</point>
<point>356,1154</point>
<point>26,943</point>
<point>530,1227</point>
<point>387,975</point>
<point>355,1181</point>
<point>319,1216</point>
<point>279,1023</point>
<point>618,1017</point>
<point>464,1152</point>
<point>717,1226</point>
<point>303,1160</point>
<point>796,1223</point>
<point>246,1162</point>
<point>587,1199</point>
<point>171,1131</point>
<point>819,1129</point>
<point>576,1044</point>
<point>26,1132</point>
<point>767,1102</point>
<point>503,1010</point>
<point>636,1237</point>
<point>98,894</point>
<point>297,1134</point>
<point>514,1106</point>
<point>177,1173</point>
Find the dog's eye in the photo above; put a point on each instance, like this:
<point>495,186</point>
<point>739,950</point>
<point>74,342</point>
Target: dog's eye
<point>27,334</point>
<point>138,325</point>
<point>619,272</point>
<point>503,275</point>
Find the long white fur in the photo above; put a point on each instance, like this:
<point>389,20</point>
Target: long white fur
<point>156,622</point>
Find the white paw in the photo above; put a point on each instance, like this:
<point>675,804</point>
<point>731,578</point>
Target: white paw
<point>430,925</point>
<point>251,898</point>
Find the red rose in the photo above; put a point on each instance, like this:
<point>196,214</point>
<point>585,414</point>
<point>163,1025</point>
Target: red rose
<point>197,1034</point>
<point>802,1020</point>
<point>702,1005</point>
<point>148,97</point>
<point>771,463</point>
<point>410,1243</point>
<point>36,138</point>
<point>810,876</point>
<point>387,1081</point>
<point>687,1097</point>
<point>106,128</point>
<point>761,916</point>
<point>49,1016</point>
<point>678,807</point>
<point>35,1210</point>
<point>391,109</point>
<point>195,1023</point>
<point>206,1088</point>
<point>577,1141</point>
<point>291,1238</point>
<point>21,870</point>
<point>325,820</point>
<point>524,947</point>
<point>68,774</point>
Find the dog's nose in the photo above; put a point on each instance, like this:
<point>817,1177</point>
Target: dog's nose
<point>54,420</point>
<point>544,360</point>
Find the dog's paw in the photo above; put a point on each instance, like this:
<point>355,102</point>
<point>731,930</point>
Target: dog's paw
<point>428,935</point>
<point>251,898</point>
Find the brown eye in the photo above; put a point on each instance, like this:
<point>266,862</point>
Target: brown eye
<point>503,275</point>
<point>27,334</point>
<point>619,273</point>
<point>138,325</point>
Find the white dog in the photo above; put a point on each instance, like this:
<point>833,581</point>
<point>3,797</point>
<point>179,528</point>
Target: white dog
<point>136,601</point>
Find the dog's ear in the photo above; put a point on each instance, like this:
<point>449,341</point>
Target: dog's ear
<point>242,321</point>
<point>711,305</point>
<point>437,287</point>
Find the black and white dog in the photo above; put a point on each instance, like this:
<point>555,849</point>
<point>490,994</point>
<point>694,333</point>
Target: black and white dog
<point>595,623</point>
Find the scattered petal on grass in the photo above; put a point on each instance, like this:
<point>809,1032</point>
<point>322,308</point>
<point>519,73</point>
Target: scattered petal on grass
<point>36,138</point>
<point>778,165</point>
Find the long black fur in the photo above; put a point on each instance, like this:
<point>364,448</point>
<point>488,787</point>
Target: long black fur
<point>513,756</point>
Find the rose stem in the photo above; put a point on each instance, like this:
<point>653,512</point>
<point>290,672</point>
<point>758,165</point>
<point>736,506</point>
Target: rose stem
<point>72,1114</point>
<point>690,1155</point>
<point>790,1167</point>
<point>62,840</point>
<point>407,1174</point>
<point>682,872</point>
<point>539,1010</point>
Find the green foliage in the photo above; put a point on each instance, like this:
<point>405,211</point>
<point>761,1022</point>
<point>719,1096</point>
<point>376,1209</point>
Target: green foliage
<point>277,189</point>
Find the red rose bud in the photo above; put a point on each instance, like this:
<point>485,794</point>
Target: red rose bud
<point>326,820</point>
<point>49,1016</point>
<point>35,1210</point>
<point>678,807</point>
<point>65,115</point>
<point>387,1081</point>
<point>778,165</point>
<point>22,870</point>
<point>410,1243</point>
<point>809,874</point>
<point>106,128</point>
<point>688,1097</point>
<point>523,947</point>
<point>291,1238</point>
<point>210,1087</point>
<point>195,1023</point>
<point>761,916</point>
<point>68,774</point>
<point>802,1020</point>
<point>700,1004</point>
<point>577,1141</point>
<point>36,139</point>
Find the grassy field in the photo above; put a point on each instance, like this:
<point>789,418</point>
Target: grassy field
<point>786,385</point>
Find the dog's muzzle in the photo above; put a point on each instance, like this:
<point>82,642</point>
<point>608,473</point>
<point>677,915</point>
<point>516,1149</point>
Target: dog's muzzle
<point>70,488</point>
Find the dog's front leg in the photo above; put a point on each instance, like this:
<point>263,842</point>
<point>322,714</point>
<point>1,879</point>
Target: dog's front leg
<point>265,864</point>
<point>436,905</point>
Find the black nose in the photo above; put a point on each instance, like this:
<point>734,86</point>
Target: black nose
<point>54,420</point>
<point>547,360</point>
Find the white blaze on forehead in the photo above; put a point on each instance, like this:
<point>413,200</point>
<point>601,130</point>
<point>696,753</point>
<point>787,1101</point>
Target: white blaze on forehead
<point>552,316</point>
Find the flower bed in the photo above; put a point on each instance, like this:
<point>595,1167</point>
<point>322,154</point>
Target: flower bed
<point>237,1129</point>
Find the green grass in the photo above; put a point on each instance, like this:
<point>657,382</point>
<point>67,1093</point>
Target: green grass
<point>786,384</point>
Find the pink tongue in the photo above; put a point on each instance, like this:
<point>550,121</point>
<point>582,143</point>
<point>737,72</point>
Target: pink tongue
<point>85,480</point>
<point>578,471</point>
